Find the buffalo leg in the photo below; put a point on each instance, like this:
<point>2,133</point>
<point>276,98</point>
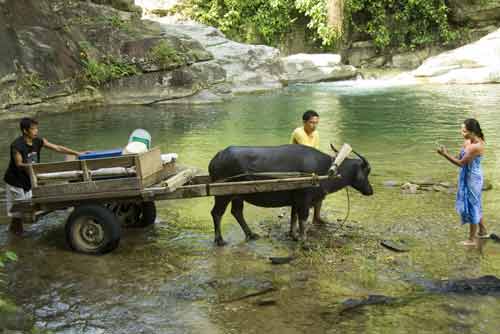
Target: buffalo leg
<point>317,211</point>
<point>220,206</point>
<point>237,211</point>
<point>303,213</point>
<point>293,224</point>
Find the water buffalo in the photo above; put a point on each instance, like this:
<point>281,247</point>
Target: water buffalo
<point>242,161</point>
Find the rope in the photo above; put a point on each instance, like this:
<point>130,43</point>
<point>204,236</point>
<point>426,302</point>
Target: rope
<point>341,225</point>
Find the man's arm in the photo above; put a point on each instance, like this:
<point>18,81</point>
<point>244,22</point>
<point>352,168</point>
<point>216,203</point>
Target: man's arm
<point>18,160</point>
<point>59,148</point>
<point>294,138</point>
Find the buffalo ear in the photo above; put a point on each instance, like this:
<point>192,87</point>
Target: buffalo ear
<point>333,148</point>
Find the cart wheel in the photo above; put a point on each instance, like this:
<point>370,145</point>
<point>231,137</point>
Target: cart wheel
<point>92,229</point>
<point>134,214</point>
<point>148,214</point>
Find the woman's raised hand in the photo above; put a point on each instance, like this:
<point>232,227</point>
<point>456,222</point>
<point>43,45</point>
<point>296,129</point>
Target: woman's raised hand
<point>442,150</point>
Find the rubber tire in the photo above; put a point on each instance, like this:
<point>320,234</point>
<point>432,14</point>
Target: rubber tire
<point>148,214</point>
<point>100,216</point>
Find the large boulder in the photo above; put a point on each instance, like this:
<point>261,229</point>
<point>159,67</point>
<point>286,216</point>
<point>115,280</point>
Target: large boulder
<point>475,63</point>
<point>316,67</point>
<point>475,12</point>
<point>248,67</point>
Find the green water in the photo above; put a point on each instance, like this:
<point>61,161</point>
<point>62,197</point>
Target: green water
<point>171,279</point>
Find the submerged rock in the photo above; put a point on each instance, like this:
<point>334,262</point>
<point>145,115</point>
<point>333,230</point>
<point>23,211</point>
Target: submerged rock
<point>481,285</point>
<point>409,188</point>
<point>281,260</point>
<point>394,246</point>
<point>354,304</point>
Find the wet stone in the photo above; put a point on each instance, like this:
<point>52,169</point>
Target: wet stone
<point>281,260</point>
<point>394,246</point>
<point>266,302</point>
<point>409,188</point>
<point>481,285</point>
<point>354,304</point>
<point>391,183</point>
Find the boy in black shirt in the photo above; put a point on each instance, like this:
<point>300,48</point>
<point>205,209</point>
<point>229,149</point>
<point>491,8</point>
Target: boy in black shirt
<point>25,150</point>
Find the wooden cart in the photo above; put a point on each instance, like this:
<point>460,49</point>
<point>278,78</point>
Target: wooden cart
<point>110,193</point>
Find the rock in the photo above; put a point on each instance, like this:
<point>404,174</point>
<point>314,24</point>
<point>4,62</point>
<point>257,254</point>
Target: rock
<point>474,63</point>
<point>474,11</point>
<point>487,185</point>
<point>354,304</point>
<point>248,67</point>
<point>361,52</point>
<point>413,59</point>
<point>394,246</point>
<point>266,301</point>
<point>155,87</point>
<point>409,188</point>
<point>391,183</point>
<point>316,67</point>
<point>281,260</point>
<point>481,285</point>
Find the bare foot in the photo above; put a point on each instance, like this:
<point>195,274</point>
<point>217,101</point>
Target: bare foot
<point>468,243</point>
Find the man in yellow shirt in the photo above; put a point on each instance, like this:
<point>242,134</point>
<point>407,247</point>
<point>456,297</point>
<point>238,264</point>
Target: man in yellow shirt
<point>308,135</point>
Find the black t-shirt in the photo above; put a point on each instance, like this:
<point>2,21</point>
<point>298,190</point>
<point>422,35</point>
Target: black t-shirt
<point>16,176</point>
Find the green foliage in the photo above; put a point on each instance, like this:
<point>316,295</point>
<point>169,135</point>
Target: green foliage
<point>31,83</point>
<point>390,23</point>
<point>317,12</point>
<point>402,23</point>
<point>4,258</point>
<point>99,72</point>
<point>164,55</point>
<point>266,20</point>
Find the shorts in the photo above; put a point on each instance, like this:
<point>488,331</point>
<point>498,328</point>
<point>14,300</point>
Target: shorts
<point>14,194</point>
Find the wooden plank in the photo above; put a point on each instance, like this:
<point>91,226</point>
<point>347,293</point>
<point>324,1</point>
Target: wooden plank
<point>54,167</point>
<point>85,169</point>
<point>198,179</point>
<point>149,163</point>
<point>72,200</point>
<point>249,187</point>
<point>92,164</point>
<point>232,188</point>
<point>93,187</point>
<point>167,171</point>
<point>179,179</point>
<point>121,161</point>
<point>162,193</point>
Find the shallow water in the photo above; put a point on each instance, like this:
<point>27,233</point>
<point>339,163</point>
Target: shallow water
<point>171,279</point>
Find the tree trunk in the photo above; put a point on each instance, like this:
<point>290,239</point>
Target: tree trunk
<point>336,14</point>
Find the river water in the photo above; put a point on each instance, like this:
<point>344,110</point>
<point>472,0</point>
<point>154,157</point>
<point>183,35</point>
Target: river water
<point>170,278</point>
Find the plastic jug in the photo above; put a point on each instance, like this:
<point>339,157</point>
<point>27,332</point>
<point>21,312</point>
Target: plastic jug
<point>141,136</point>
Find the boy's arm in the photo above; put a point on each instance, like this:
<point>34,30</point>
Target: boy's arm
<point>18,160</point>
<point>59,148</point>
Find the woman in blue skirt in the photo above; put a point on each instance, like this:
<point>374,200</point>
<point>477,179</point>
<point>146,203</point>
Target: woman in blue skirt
<point>470,179</point>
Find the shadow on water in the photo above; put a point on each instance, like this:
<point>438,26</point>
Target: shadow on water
<point>169,278</point>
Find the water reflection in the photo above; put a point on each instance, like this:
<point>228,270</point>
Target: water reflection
<point>170,279</point>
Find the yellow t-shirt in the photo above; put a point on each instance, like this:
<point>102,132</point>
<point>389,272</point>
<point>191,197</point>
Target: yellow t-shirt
<point>299,136</point>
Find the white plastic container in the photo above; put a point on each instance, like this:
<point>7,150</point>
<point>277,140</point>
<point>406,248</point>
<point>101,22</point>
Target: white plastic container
<point>141,136</point>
